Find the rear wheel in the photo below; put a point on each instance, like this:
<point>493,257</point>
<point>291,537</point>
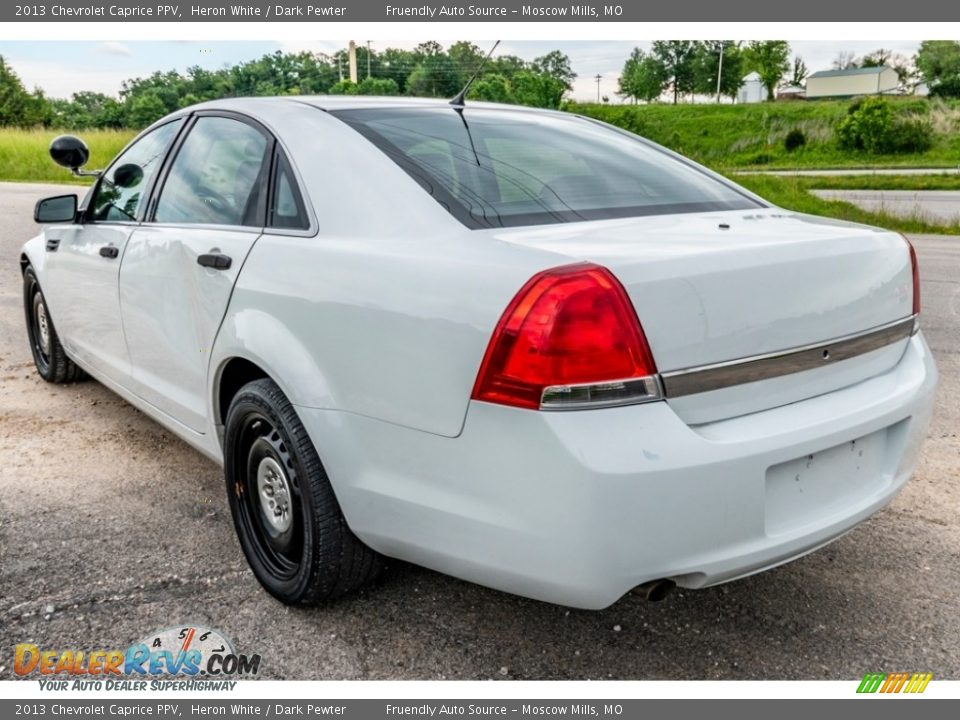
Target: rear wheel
<point>287,518</point>
<point>51,360</point>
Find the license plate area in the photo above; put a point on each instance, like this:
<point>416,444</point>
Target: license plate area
<point>812,489</point>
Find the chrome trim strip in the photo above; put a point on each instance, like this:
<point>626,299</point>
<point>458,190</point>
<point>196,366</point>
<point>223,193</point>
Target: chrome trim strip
<point>785,362</point>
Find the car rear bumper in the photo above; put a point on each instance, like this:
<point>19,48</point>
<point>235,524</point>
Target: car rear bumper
<point>579,507</point>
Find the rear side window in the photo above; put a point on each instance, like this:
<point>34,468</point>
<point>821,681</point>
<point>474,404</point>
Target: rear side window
<point>501,168</point>
<point>286,203</point>
<point>217,175</point>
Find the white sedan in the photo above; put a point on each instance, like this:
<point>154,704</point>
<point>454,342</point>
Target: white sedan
<point>520,347</point>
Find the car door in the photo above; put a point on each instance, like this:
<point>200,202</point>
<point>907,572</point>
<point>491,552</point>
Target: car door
<point>180,267</point>
<point>84,259</point>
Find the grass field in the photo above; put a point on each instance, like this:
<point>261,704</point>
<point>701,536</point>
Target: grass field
<point>24,157</point>
<point>752,135</point>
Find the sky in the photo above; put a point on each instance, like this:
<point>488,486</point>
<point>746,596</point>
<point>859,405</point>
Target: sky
<point>61,68</point>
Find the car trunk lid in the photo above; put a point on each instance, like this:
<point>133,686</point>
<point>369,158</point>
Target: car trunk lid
<point>723,287</point>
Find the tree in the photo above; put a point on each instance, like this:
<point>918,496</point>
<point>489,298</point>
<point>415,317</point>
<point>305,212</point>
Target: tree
<point>492,88</point>
<point>771,60</point>
<point>939,63</point>
<point>556,65</point>
<point>707,68</point>
<point>377,86</point>
<point>537,89</point>
<point>887,58</point>
<point>17,106</point>
<point>677,58</point>
<point>798,75</point>
<point>643,77</point>
<point>844,61</point>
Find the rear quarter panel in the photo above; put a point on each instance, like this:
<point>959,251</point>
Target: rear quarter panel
<point>387,311</point>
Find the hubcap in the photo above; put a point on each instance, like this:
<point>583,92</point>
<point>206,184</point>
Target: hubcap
<point>274,491</point>
<point>43,324</point>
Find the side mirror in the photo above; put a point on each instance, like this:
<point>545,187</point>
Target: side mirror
<point>69,151</point>
<point>59,209</point>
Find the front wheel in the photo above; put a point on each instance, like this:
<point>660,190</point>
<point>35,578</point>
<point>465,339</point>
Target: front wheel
<point>50,358</point>
<point>287,518</point>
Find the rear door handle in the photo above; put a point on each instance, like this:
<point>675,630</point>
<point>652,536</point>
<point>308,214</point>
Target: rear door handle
<point>217,261</point>
<point>109,251</point>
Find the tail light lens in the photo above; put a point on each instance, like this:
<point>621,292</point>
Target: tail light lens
<point>916,278</point>
<point>915,270</point>
<point>569,339</point>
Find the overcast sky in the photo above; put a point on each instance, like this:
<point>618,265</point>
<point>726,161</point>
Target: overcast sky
<point>61,68</point>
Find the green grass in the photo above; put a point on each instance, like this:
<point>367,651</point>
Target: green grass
<point>24,153</point>
<point>752,135</point>
<point>880,182</point>
<point>793,193</point>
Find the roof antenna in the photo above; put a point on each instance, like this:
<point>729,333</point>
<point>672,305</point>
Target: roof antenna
<point>460,99</point>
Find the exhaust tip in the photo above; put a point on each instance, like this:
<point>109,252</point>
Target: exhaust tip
<point>655,590</point>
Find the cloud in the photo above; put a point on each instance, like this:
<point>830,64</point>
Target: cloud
<point>61,81</point>
<point>111,47</point>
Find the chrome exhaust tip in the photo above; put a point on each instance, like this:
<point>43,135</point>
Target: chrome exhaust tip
<point>655,590</point>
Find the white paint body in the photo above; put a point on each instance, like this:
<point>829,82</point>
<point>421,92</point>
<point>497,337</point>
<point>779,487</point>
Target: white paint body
<point>375,323</point>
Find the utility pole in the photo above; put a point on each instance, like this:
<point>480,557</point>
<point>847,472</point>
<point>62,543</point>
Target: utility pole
<point>719,71</point>
<point>353,62</point>
<point>598,77</point>
<point>368,58</point>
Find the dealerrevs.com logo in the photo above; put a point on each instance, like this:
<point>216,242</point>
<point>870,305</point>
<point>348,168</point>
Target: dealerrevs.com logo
<point>186,657</point>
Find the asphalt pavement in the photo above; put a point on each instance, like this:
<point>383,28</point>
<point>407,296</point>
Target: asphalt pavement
<point>942,206</point>
<point>111,528</point>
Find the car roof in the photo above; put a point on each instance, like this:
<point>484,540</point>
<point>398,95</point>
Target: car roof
<point>334,103</point>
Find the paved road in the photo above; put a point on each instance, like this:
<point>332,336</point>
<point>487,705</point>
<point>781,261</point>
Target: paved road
<point>837,172</point>
<point>110,527</point>
<point>934,205</point>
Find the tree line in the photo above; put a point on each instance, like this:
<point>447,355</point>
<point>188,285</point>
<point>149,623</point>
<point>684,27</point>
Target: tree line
<point>681,68</point>
<point>429,70</point>
<point>674,69</point>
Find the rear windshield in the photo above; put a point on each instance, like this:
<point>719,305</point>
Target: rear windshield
<point>500,168</point>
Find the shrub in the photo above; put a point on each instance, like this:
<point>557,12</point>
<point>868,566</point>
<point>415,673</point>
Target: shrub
<point>794,140</point>
<point>871,125</point>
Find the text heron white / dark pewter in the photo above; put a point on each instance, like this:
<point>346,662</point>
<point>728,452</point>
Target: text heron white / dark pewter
<point>517,346</point>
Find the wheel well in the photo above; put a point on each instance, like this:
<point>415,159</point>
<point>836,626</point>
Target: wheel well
<point>236,373</point>
<point>24,264</point>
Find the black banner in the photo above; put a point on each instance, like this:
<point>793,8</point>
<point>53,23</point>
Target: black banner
<point>480,11</point>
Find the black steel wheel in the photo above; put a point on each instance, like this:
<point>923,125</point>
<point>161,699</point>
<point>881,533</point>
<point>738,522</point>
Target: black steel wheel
<point>287,518</point>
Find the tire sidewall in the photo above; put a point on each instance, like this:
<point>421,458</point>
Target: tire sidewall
<point>31,288</point>
<point>250,400</point>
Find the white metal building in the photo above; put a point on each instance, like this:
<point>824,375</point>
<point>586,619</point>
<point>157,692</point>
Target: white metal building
<point>753,90</point>
<point>852,82</point>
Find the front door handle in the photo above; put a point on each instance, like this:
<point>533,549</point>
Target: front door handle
<point>217,261</point>
<point>109,251</point>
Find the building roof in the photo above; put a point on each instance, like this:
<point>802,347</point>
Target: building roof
<point>850,71</point>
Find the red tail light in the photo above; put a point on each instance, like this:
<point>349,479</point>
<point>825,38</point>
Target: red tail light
<point>570,338</point>
<point>916,278</point>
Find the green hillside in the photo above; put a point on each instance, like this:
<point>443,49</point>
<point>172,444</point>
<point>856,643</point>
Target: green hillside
<point>753,135</point>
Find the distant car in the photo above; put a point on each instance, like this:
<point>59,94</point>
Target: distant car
<point>520,347</point>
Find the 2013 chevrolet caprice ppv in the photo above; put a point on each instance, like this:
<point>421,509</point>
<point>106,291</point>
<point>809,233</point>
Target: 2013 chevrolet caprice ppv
<point>517,346</point>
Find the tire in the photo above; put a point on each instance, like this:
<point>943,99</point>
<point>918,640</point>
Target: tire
<point>50,358</point>
<point>286,515</point>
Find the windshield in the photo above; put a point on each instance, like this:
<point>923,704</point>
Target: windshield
<point>501,168</point>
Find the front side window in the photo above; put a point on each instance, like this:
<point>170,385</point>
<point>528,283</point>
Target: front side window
<point>121,194</point>
<point>217,176</point>
<point>503,168</point>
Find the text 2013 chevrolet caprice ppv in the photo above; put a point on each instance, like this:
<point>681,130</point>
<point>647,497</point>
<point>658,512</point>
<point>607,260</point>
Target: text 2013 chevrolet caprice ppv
<point>520,347</point>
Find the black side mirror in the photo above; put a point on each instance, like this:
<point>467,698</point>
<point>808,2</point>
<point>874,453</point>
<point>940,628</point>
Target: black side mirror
<point>59,209</point>
<point>69,151</point>
<point>128,175</point>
